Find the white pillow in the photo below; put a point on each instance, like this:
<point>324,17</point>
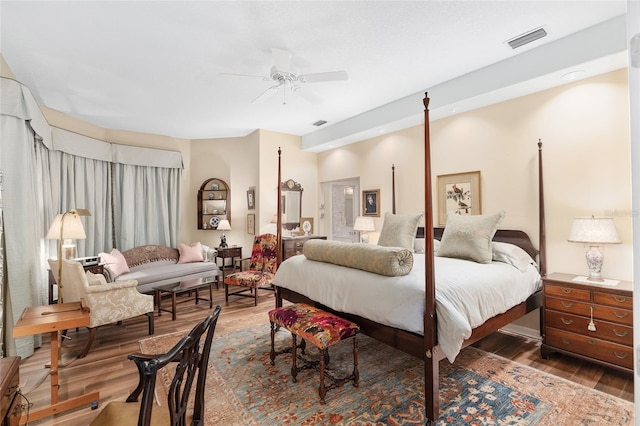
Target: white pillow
<point>418,245</point>
<point>469,237</point>
<point>95,279</point>
<point>511,254</point>
<point>189,254</point>
<point>115,262</point>
<point>399,230</point>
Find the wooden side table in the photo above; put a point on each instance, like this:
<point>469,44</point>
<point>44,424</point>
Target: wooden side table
<point>10,412</point>
<point>588,320</point>
<point>53,319</point>
<point>233,253</point>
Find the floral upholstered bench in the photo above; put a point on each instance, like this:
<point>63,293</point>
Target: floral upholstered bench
<point>320,328</point>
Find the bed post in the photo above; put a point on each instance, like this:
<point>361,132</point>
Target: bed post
<point>393,188</point>
<point>279,210</point>
<point>542,243</point>
<point>431,378</point>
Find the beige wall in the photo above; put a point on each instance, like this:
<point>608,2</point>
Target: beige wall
<point>584,129</point>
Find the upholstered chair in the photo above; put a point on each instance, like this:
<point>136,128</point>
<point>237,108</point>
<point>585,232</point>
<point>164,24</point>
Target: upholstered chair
<point>108,302</point>
<point>262,268</point>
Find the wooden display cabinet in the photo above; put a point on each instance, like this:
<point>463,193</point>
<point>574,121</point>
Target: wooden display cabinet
<point>214,204</point>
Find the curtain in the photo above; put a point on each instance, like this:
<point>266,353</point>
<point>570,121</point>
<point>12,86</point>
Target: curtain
<point>146,206</point>
<point>48,171</point>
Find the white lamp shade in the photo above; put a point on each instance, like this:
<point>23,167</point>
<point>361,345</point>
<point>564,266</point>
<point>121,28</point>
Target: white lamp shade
<point>224,225</point>
<point>364,224</point>
<point>73,229</point>
<point>593,230</point>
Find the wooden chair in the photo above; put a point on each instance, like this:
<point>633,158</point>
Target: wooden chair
<point>262,268</point>
<point>190,357</point>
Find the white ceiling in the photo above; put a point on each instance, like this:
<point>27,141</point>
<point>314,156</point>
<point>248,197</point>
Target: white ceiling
<point>155,66</point>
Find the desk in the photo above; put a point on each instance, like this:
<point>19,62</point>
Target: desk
<point>54,319</point>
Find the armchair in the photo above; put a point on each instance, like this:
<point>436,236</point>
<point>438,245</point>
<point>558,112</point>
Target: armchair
<point>262,268</point>
<point>108,302</point>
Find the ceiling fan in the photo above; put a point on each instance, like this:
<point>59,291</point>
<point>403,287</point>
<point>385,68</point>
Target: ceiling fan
<point>282,74</point>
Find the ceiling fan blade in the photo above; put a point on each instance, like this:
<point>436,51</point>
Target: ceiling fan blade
<point>323,76</point>
<point>266,94</point>
<point>229,74</point>
<point>281,60</point>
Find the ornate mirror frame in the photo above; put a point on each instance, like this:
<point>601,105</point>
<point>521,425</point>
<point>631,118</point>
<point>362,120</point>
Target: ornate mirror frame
<point>291,204</point>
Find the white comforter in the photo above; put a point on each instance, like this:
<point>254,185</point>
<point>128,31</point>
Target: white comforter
<point>467,293</point>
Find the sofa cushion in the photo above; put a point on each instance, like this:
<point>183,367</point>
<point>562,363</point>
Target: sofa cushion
<point>114,262</point>
<point>190,253</point>
<point>162,272</point>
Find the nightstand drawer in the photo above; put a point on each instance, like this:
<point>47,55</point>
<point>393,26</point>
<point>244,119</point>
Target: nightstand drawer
<point>591,347</point>
<point>610,299</point>
<point>577,324</point>
<point>607,313</point>
<point>568,292</point>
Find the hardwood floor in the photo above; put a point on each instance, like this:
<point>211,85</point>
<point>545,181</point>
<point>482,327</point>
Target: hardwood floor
<point>107,369</point>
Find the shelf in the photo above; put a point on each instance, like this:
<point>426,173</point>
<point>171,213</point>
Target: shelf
<point>214,194</point>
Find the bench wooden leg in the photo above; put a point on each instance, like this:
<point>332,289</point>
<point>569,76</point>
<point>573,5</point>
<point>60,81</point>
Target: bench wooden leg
<point>272,355</point>
<point>322,390</point>
<point>356,374</point>
<point>294,367</point>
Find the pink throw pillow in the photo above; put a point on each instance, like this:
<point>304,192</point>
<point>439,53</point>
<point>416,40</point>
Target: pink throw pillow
<point>115,261</point>
<point>192,253</point>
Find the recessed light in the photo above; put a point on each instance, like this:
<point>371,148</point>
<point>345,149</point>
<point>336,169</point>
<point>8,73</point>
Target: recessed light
<point>573,75</point>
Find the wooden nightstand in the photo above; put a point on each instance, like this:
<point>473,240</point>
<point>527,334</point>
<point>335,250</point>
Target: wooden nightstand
<point>234,253</point>
<point>569,306</point>
<point>292,246</point>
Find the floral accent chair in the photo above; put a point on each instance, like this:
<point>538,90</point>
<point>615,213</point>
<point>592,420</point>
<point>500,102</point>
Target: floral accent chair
<point>262,268</point>
<point>108,302</point>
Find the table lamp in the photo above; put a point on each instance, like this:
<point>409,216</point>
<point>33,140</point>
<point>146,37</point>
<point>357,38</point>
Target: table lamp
<point>224,225</point>
<point>65,228</point>
<point>363,225</point>
<point>594,231</point>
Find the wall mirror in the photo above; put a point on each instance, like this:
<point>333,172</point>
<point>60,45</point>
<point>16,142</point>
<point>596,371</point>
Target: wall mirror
<point>291,204</point>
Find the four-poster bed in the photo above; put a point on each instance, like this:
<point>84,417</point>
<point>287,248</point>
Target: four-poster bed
<point>425,345</point>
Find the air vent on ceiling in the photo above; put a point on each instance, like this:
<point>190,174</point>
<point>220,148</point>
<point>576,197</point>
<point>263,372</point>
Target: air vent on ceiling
<point>527,38</point>
<point>319,123</point>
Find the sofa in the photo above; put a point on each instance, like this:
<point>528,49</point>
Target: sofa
<point>153,265</point>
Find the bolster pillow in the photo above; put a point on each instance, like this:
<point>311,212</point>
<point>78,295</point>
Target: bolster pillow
<point>389,261</point>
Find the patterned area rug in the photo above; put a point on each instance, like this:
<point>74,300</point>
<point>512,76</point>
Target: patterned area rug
<point>479,389</point>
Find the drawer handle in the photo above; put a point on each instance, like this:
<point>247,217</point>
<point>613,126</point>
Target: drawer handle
<point>566,290</point>
<point>566,322</point>
<point>566,304</point>
<point>619,333</point>
<point>11,390</point>
<point>619,299</point>
<point>591,341</point>
<point>565,341</point>
<point>619,355</point>
<point>622,315</point>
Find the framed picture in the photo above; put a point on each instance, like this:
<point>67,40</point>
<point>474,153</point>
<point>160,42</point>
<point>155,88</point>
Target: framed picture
<point>458,193</point>
<point>251,224</point>
<point>251,199</point>
<point>306,225</point>
<point>371,203</point>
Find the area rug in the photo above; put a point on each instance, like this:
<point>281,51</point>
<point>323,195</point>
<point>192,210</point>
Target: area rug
<point>478,389</point>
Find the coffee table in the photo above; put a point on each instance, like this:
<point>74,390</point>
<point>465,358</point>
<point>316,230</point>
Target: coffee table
<point>184,286</point>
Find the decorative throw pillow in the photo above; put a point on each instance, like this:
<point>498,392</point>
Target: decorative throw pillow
<point>189,254</point>
<point>95,279</point>
<point>399,230</point>
<point>469,237</point>
<point>115,262</point>
<point>418,245</point>
<point>511,254</point>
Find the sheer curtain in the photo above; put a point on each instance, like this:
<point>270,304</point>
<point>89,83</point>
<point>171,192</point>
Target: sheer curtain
<point>48,171</point>
<point>146,205</point>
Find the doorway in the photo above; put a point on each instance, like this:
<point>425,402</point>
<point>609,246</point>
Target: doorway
<point>343,208</point>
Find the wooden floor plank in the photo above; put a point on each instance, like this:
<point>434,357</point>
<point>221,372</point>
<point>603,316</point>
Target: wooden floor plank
<point>107,369</point>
